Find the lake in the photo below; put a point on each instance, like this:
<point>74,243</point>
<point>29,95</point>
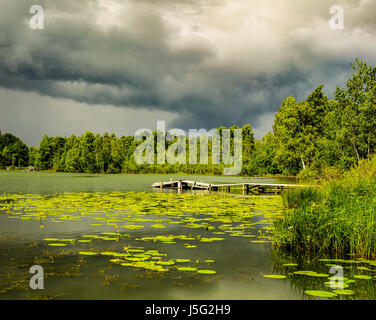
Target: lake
<point>113,237</point>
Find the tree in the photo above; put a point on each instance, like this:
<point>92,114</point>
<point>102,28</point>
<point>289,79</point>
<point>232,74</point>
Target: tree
<point>263,160</point>
<point>298,127</point>
<point>87,153</point>
<point>13,151</point>
<point>248,145</point>
<point>357,103</point>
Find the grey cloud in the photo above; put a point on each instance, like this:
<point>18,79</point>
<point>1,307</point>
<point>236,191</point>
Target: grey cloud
<point>209,62</point>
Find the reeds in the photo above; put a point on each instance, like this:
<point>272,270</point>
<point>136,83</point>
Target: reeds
<point>337,217</point>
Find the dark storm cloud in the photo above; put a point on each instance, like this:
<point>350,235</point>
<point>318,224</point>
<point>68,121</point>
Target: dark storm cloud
<point>210,62</point>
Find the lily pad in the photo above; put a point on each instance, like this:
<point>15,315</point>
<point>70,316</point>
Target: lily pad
<point>344,292</point>
<point>207,271</point>
<point>312,274</point>
<point>290,264</point>
<point>186,269</point>
<point>274,276</point>
<point>319,293</point>
<point>362,276</point>
<point>132,226</point>
<point>57,244</point>
<point>181,260</point>
<point>87,253</point>
<point>158,226</point>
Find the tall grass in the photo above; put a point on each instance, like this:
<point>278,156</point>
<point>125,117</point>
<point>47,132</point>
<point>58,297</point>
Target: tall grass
<point>337,217</point>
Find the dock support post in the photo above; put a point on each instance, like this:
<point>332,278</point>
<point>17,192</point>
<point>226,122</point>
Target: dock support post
<point>243,189</point>
<point>161,186</point>
<point>180,185</point>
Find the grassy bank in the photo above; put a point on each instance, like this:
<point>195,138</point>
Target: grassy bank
<point>339,216</point>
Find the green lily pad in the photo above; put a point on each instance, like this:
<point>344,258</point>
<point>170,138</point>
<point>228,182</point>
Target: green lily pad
<point>319,293</point>
<point>186,269</point>
<point>274,276</point>
<point>312,274</point>
<point>132,226</point>
<point>158,226</point>
<point>87,253</point>
<point>181,260</point>
<point>344,292</point>
<point>336,285</point>
<point>207,271</point>
<point>362,276</point>
<point>166,263</point>
<point>57,244</point>
<point>135,250</point>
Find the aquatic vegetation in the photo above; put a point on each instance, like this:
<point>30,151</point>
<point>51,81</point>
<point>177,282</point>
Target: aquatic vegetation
<point>180,250</point>
<point>344,292</point>
<point>362,277</point>
<point>335,285</point>
<point>339,216</point>
<point>186,269</point>
<point>312,274</point>
<point>211,239</point>
<point>158,226</point>
<point>84,253</point>
<point>207,271</point>
<point>189,246</point>
<point>338,278</point>
<point>131,226</point>
<point>206,219</point>
<point>166,263</point>
<point>319,293</point>
<point>274,276</point>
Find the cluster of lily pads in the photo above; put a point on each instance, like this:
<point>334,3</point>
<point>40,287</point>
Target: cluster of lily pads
<point>206,219</point>
<point>134,229</point>
<point>338,284</point>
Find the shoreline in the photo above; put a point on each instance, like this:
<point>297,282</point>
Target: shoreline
<point>25,169</point>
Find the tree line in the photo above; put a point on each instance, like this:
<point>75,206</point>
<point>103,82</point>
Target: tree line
<point>318,136</point>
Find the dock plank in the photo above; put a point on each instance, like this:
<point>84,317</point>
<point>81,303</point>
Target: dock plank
<point>246,186</point>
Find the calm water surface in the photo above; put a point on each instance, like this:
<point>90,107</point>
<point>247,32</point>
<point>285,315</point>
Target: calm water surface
<point>240,264</point>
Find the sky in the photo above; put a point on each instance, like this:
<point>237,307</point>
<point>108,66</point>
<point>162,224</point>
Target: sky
<point>121,65</point>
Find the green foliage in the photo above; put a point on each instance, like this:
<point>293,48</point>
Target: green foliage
<point>316,134</point>
<point>108,154</point>
<point>357,112</point>
<point>313,139</point>
<point>263,160</point>
<point>299,131</point>
<point>300,197</point>
<point>13,152</point>
<point>339,217</point>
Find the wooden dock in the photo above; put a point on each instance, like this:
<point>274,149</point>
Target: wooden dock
<point>245,187</point>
